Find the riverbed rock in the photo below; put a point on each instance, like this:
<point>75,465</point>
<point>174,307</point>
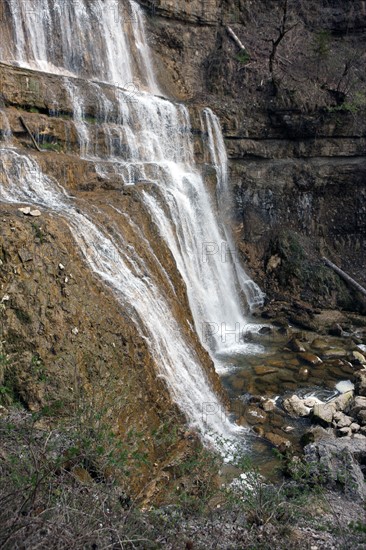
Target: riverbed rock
<point>255,415</point>
<point>262,370</point>
<point>310,358</point>
<point>319,344</point>
<point>295,406</point>
<point>360,382</point>
<point>338,461</point>
<point>303,373</point>
<point>278,441</point>
<point>323,413</point>
<point>295,345</point>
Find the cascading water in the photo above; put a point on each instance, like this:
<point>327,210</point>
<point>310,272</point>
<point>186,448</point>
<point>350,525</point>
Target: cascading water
<point>148,139</point>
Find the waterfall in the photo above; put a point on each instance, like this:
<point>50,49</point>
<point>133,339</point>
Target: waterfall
<point>147,139</point>
<point>109,259</point>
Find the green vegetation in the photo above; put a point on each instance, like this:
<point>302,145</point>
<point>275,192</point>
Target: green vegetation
<point>243,57</point>
<point>321,44</point>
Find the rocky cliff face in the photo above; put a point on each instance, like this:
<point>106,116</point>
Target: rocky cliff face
<point>294,128</point>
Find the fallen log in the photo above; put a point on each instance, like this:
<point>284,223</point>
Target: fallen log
<point>30,134</point>
<point>236,39</point>
<point>345,276</point>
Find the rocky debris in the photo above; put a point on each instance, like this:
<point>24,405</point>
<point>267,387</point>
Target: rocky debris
<point>310,358</point>
<point>27,211</point>
<point>338,461</point>
<point>273,263</point>
<point>341,420</point>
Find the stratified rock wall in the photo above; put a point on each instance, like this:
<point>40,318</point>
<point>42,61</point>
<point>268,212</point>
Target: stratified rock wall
<point>295,135</point>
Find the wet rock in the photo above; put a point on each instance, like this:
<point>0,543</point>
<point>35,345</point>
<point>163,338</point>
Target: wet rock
<point>303,373</point>
<point>338,461</point>
<point>341,420</point>
<point>295,345</point>
<point>335,352</point>
<point>360,382</point>
<point>310,358</point>
<point>255,415</point>
<point>323,413</point>
<point>261,370</point>
<point>278,441</point>
<point>295,406</point>
<point>237,383</point>
<point>258,429</point>
<point>319,344</point>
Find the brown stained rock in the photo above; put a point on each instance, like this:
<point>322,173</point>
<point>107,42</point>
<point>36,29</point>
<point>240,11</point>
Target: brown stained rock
<point>310,358</point>
<point>261,370</point>
<point>278,441</point>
